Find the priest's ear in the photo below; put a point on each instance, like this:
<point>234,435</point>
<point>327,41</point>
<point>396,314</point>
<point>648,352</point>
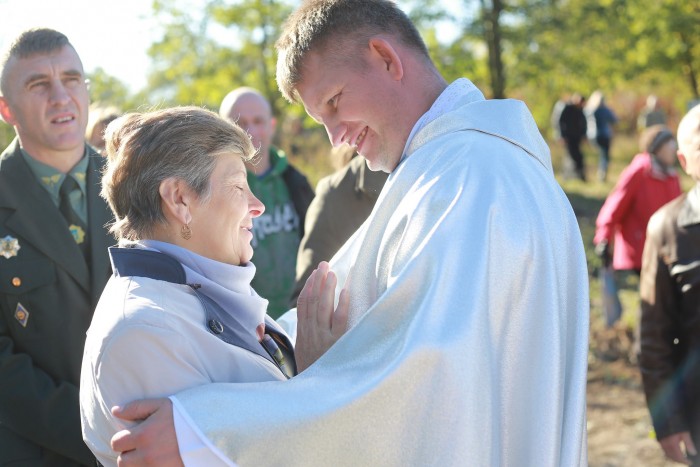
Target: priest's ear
<point>383,52</point>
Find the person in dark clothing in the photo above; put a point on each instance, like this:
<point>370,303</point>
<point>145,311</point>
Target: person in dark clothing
<point>353,190</point>
<point>53,250</point>
<point>573,127</point>
<point>670,298</point>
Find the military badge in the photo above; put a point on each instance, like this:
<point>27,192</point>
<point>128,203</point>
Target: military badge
<point>78,233</point>
<point>21,315</point>
<point>51,181</point>
<point>9,246</point>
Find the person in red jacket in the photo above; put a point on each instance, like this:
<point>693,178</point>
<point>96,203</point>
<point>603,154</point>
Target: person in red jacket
<point>646,184</point>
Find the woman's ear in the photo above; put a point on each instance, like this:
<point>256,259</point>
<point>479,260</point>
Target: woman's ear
<point>176,198</point>
<point>381,49</point>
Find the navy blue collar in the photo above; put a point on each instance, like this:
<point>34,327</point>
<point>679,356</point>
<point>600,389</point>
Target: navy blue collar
<point>159,266</point>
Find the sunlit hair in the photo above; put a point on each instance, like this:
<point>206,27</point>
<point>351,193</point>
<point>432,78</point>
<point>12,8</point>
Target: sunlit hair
<point>31,42</point>
<point>339,28</point>
<point>143,149</point>
<point>687,128</point>
<point>596,99</point>
<point>98,118</point>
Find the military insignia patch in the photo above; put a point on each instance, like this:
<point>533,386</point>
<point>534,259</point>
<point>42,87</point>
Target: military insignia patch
<point>9,246</point>
<point>51,181</point>
<point>21,315</point>
<point>78,233</point>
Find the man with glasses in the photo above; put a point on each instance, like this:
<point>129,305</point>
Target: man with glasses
<point>53,250</point>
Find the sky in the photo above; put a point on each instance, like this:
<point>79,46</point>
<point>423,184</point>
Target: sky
<point>113,35</point>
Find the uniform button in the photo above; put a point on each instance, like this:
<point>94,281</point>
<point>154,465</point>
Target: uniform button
<point>16,281</point>
<point>215,326</point>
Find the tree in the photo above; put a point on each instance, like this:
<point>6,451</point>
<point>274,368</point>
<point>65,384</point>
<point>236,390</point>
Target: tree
<point>491,18</point>
<point>108,89</point>
<point>664,35</point>
<point>206,52</point>
<point>454,57</point>
<point>258,24</point>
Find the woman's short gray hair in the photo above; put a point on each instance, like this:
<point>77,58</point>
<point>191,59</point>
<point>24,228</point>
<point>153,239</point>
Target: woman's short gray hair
<point>143,149</point>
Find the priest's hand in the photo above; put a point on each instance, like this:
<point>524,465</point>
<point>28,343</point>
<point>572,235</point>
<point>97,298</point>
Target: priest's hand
<point>151,442</point>
<point>672,447</point>
<point>318,326</point>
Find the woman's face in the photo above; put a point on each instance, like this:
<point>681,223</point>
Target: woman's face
<point>666,154</point>
<point>221,226</point>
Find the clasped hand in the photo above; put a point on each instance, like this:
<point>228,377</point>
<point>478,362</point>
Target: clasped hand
<point>318,325</point>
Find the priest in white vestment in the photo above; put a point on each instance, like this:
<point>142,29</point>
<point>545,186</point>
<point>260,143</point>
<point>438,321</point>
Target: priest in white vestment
<point>467,339</point>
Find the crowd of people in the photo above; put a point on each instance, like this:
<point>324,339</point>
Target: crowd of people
<point>174,291</point>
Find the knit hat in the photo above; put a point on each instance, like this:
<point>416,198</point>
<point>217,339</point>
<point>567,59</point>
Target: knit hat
<point>654,137</point>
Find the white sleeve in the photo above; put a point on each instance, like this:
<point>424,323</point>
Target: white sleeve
<point>195,449</point>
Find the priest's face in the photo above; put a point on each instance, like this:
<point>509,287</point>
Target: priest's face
<point>359,103</point>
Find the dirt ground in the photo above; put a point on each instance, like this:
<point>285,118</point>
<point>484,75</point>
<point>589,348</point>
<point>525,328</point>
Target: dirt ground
<point>620,433</point>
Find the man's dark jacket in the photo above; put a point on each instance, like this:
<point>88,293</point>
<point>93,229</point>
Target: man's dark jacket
<point>49,284</point>
<point>670,327</point>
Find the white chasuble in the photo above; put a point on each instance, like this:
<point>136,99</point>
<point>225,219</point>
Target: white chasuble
<point>469,306</point>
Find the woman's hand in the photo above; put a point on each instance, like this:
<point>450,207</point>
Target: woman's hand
<point>318,326</point>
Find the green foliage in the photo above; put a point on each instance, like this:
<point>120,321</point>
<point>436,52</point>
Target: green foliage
<point>7,134</point>
<point>549,48</point>
<point>190,66</point>
<point>107,89</point>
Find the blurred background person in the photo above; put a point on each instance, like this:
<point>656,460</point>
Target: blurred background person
<point>600,120</point>
<point>646,184</point>
<point>554,118</point>
<point>185,220</point>
<point>652,114</point>
<point>285,192</point>
<point>343,201</point>
<point>670,297</point>
<point>572,128</point>
<point>53,250</point>
<point>100,116</point>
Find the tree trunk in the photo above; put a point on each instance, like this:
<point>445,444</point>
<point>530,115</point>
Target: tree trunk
<point>265,43</point>
<point>688,66</point>
<point>492,36</point>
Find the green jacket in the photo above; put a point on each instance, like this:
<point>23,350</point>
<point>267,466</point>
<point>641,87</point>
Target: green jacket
<point>286,194</point>
<point>48,280</point>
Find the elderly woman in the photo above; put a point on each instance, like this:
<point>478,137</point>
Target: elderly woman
<point>179,310</point>
<point>647,183</point>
